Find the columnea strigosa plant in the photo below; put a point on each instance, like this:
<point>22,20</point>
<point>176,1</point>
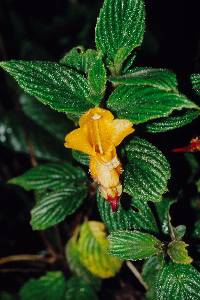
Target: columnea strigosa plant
<point>109,177</point>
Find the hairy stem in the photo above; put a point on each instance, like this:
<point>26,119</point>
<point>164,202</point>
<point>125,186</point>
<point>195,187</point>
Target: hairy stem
<point>137,274</point>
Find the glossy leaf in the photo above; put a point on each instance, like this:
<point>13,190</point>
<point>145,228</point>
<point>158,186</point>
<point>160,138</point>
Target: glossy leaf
<point>53,84</point>
<point>75,264</point>
<point>133,215</point>
<point>178,252</point>
<point>97,81</point>
<point>178,282</point>
<point>20,134</point>
<point>120,28</point>
<point>51,286</point>
<point>179,232</point>
<point>159,78</point>
<point>133,245</point>
<point>55,123</point>
<point>195,78</point>
<point>78,289</point>
<point>163,209</point>
<point>93,248</point>
<point>147,171</point>
<point>79,59</point>
<point>81,157</point>
<point>53,207</point>
<point>172,122</point>
<point>53,176</point>
<point>140,104</point>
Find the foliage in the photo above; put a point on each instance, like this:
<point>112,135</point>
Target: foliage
<point>142,173</point>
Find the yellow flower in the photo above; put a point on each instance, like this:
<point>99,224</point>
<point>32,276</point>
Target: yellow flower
<point>98,136</point>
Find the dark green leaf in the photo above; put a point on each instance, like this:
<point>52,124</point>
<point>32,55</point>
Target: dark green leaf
<point>6,296</point>
<point>79,59</point>
<point>53,207</point>
<point>196,83</point>
<point>133,245</point>
<point>20,134</point>
<point>52,286</point>
<point>140,104</point>
<point>81,157</point>
<point>55,176</point>
<point>147,171</point>
<point>137,215</point>
<point>55,123</point>
<point>179,232</point>
<point>178,282</point>
<point>172,122</point>
<point>162,209</point>
<point>178,252</point>
<point>196,233</point>
<point>53,84</point>
<point>120,29</point>
<point>78,289</point>
<point>97,81</point>
<point>159,78</point>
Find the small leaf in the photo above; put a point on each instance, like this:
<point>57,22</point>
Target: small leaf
<point>97,81</point>
<point>172,122</point>
<point>196,232</point>
<point>133,245</point>
<point>147,171</point>
<point>136,215</point>
<point>179,232</point>
<point>79,59</point>
<point>78,289</point>
<point>195,78</point>
<point>53,176</point>
<point>159,78</point>
<point>53,207</point>
<point>55,123</point>
<point>120,29</point>
<point>178,282</point>
<point>52,286</point>
<point>53,84</point>
<point>140,104</point>
<point>178,252</point>
<point>93,247</point>
<point>81,157</point>
<point>162,209</point>
<point>198,186</point>
<point>75,264</point>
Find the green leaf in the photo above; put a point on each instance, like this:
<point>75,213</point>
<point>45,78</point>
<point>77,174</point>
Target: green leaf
<point>133,245</point>
<point>6,296</point>
<point>196,232</point>
<point>53,176</point>
<point>159,78</point>
<point>55,123</point>
<point>55,206</point>
<point>93,249</point>
<point>19,134</point>
<point>163,209</point>
<point>198,186</point>
<point>195,78</point>
<point>179,232</point>
<point>172,122</point>
<point>78,289</point>
<point>120,29</point>
<point>147,171</point>
<point>149,274</point>
<point>97,81</point>
<point>53,84</point>
<point>75,264</point>
<point>79,59</point>
<point>140,104</point>
<point>52,286</point>
<point>178,252</point>
<point>136,215</point>
<point>178,282</point>
<point>81,157</point>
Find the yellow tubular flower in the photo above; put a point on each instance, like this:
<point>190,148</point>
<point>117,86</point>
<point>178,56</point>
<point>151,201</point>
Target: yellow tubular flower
<point>98,136</point>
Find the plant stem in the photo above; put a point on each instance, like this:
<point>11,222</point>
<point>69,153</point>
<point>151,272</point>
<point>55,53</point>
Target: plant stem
<point>22,257</point>
<point>136,273</point>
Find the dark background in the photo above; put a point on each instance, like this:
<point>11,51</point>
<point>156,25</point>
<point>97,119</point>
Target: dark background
<point>45,30</point>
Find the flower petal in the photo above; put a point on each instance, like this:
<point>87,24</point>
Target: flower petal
<point>120,129</point>
<point>94,114</point>
<point>78,140</point>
